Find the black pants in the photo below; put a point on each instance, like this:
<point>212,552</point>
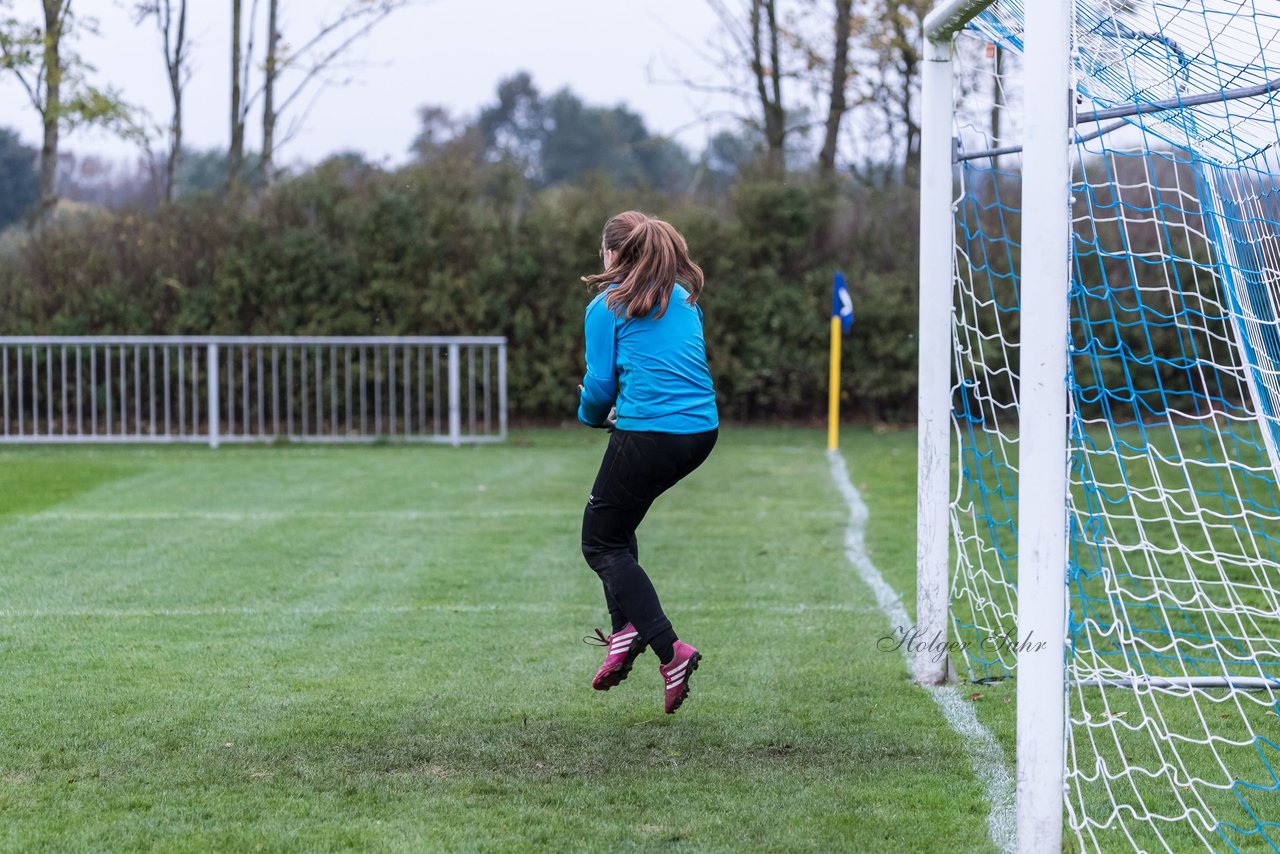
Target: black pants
<point>637,468</point>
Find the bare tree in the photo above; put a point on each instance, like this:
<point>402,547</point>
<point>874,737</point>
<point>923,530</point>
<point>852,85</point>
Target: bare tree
<point>56,14</point>
<point>235,154</point>
<point>54,79</point>
<point>173,32</point>
<point>893,37</point>
<point>304,66</point>
<point>908,24</point>
<point>791,65</point>
<point>839,81</point>
<point>270,74</point>
<point>768,79</point>
<point>752,61</point>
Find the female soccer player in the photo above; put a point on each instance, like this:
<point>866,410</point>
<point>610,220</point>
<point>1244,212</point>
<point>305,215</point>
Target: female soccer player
<point>646,360</point>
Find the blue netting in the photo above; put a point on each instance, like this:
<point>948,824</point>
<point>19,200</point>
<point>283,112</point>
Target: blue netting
<point>1174,389</point>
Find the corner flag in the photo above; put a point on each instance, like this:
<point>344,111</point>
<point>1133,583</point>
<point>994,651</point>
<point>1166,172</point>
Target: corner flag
<point>841,320</point>
<point>842,303</point>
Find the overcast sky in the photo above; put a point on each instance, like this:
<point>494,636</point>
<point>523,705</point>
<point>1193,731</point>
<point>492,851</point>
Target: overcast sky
<point>447,52</point>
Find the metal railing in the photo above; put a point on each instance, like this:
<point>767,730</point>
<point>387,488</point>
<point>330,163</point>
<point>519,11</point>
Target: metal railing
<point>219,389</point>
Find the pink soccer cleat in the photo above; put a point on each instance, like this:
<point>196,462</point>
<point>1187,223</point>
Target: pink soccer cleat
<point>621,649</point>
<point>675,676</point>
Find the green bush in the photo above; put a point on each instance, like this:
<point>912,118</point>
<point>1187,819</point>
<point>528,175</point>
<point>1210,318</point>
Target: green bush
<point>459,246</point>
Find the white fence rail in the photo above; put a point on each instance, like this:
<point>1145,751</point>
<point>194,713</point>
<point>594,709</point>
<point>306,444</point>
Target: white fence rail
<point>215,389</point>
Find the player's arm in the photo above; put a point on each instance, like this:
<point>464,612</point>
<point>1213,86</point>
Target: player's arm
<point>600,384</point>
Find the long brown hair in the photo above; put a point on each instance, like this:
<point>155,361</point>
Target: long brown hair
<point>650,257</point>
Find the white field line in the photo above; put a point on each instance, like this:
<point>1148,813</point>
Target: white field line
<point>281,515</point>
<point>373,610</point>
<point>984,752</point>
<point>274,515</point>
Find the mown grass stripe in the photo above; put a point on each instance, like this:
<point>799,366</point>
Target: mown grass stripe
<point>448,607</point>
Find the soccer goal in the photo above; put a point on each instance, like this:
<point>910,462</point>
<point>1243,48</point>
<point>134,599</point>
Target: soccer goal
<point>1100,406</point>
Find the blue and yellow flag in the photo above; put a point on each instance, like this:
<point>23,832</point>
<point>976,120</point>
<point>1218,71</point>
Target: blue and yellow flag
<point>842,303</point>
<point>841,319</point>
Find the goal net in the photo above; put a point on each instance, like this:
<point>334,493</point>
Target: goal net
<point>1172,572</point>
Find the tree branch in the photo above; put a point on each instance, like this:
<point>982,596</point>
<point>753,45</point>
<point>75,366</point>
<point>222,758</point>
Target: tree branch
<point>320,65</point>
<point>247,64</point>
<point>11,61</point>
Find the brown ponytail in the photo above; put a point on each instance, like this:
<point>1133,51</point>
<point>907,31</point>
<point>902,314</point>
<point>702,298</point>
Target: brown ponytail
<point>650,257</point>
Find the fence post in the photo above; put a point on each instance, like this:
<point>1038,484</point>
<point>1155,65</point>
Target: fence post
<point>455,395</point>
<point>502,388</point>
<point>214,411</point>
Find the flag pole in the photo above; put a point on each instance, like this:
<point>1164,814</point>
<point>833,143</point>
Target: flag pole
<point>841,318</point>
<point>833,399</point>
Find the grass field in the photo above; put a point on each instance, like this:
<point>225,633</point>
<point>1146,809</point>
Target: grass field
<point>379,648</point>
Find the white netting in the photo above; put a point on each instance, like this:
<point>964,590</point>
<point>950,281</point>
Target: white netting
<point>1174,541</point>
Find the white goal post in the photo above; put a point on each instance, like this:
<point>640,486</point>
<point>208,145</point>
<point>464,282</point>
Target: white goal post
<point>1046,198</point>
<point>1099,406</point>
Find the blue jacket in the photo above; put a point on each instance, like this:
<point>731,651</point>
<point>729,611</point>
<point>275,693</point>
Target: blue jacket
<point>653,369</point>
